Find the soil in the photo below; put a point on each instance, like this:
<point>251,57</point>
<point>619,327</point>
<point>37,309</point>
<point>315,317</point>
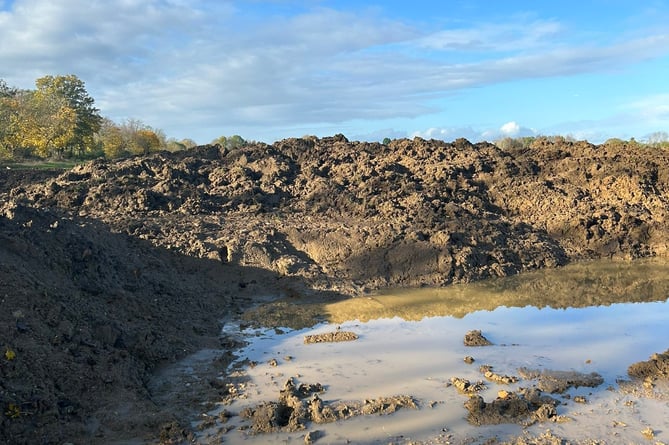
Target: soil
<point>113,270</point>
<point>298,406</point>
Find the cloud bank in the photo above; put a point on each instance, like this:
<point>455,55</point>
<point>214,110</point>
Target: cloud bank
<point>220,66</point>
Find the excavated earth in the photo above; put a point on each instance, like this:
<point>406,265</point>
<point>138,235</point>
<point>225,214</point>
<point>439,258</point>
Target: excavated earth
<point>114,269</point>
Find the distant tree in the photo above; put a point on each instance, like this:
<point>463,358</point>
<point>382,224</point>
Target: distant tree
<point>386,141</point>
<point>7,109</point>
<point>72,91</point>
<point>47,123</point>
<point>230,142</point>
<point>658,139</point>
<point>188,143</point>
<point>147,141</point>
<point>509,143</point>
<point>130,137</point>
<point>110,139</point>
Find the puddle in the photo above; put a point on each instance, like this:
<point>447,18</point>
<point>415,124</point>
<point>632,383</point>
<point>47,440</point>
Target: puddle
<point>593,317</point>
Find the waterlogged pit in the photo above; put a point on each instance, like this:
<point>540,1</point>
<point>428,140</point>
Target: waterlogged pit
<point>582,325</point>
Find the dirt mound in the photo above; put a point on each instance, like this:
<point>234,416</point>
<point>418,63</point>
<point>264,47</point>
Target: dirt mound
<point>354,215</point>
<point>88,315</point>
<point>113,268</point>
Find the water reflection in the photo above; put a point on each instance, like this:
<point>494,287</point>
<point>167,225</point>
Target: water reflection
<point>593,283</point>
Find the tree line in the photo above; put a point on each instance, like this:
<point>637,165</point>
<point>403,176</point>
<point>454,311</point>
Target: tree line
<point>58,119</point>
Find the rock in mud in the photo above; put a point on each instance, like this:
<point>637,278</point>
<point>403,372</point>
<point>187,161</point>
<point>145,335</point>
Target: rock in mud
<point>557,382</point>
<point>656,367</point>
<point>476,338</point>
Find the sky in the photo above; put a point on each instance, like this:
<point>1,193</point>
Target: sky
<point>272,69</point>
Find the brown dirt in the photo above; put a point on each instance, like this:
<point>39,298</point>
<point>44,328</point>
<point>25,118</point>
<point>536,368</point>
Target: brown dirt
<point>657,367</point>
<point>113,270</point>
<point>299,406</point>
<point>557,382</point>
<point>476,338</point>
<point>523,407</point>
<point>330,337</point>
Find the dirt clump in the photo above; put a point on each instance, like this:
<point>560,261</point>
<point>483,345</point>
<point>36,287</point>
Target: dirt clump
<point>331,337</point>
<point>299,405</point>
<point>523,406</point>
<point>657,367</point>
<point>464,386</point>
<point>476,338</point>
<point>557,382</point>
<point>491,375</point>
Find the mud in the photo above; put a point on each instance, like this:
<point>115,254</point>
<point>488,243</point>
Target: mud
<point>523,407</point>
<point>657,367</point>
<point>300,406</point>
<point>114,270</point>
<point>476,338</point>
<point>331,337</point>
<point>557,382</point>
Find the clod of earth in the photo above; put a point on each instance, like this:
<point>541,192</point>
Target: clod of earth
<point>559,381</point>
<point>656,367</point>
<point>489,374</point>
<point>330,337</point>
<point>476,338</point>
<point>293,412</point>
<point>464,386</point>
<point>522,407</point>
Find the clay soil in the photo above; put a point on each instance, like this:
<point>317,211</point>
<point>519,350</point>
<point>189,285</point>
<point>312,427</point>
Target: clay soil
<point>114,270</point>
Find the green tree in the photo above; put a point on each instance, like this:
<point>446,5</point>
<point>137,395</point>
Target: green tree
<point>230,142</point>
<point>73,92</point>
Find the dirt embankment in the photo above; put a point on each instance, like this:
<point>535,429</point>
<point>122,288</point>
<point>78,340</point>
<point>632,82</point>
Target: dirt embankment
<point>350,215</point>
<point>113,268</point>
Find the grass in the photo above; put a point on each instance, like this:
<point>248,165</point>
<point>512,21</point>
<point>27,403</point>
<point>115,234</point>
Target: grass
<point>41,165</point>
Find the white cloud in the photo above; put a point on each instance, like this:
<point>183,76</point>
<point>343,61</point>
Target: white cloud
<point>511,36</point>
<point>182,65</point>
<point>510,129</point>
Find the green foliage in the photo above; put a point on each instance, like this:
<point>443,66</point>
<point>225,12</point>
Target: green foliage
<point>72,91</point>
<point>10,354</point>
<point>13,411</point>
<point>386,141</point>
<point>132,137</point>
<point>509,143</point>
<point>230,142</point>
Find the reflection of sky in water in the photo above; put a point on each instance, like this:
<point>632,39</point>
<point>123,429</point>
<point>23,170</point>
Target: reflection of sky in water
<point>396,356</point>
<point>407,348</point>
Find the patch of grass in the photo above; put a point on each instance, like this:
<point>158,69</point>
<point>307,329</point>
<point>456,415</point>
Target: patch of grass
<point>42,165</point>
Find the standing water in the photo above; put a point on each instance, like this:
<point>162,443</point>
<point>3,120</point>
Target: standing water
<point>587,319</point>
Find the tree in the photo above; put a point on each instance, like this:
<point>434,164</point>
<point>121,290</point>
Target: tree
<point>231,142</point>
<point>72,91</point>
<point>658,139</point>
<point>47,123</point>
<point>110,140</point>
<point>386,141</point>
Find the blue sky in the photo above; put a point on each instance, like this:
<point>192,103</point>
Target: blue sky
<point>279,68</point>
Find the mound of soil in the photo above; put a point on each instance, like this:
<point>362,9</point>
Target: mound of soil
<point>655,367</point>
<point>114,268</point>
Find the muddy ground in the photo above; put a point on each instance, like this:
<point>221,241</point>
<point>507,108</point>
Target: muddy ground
<point>112,270</point>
